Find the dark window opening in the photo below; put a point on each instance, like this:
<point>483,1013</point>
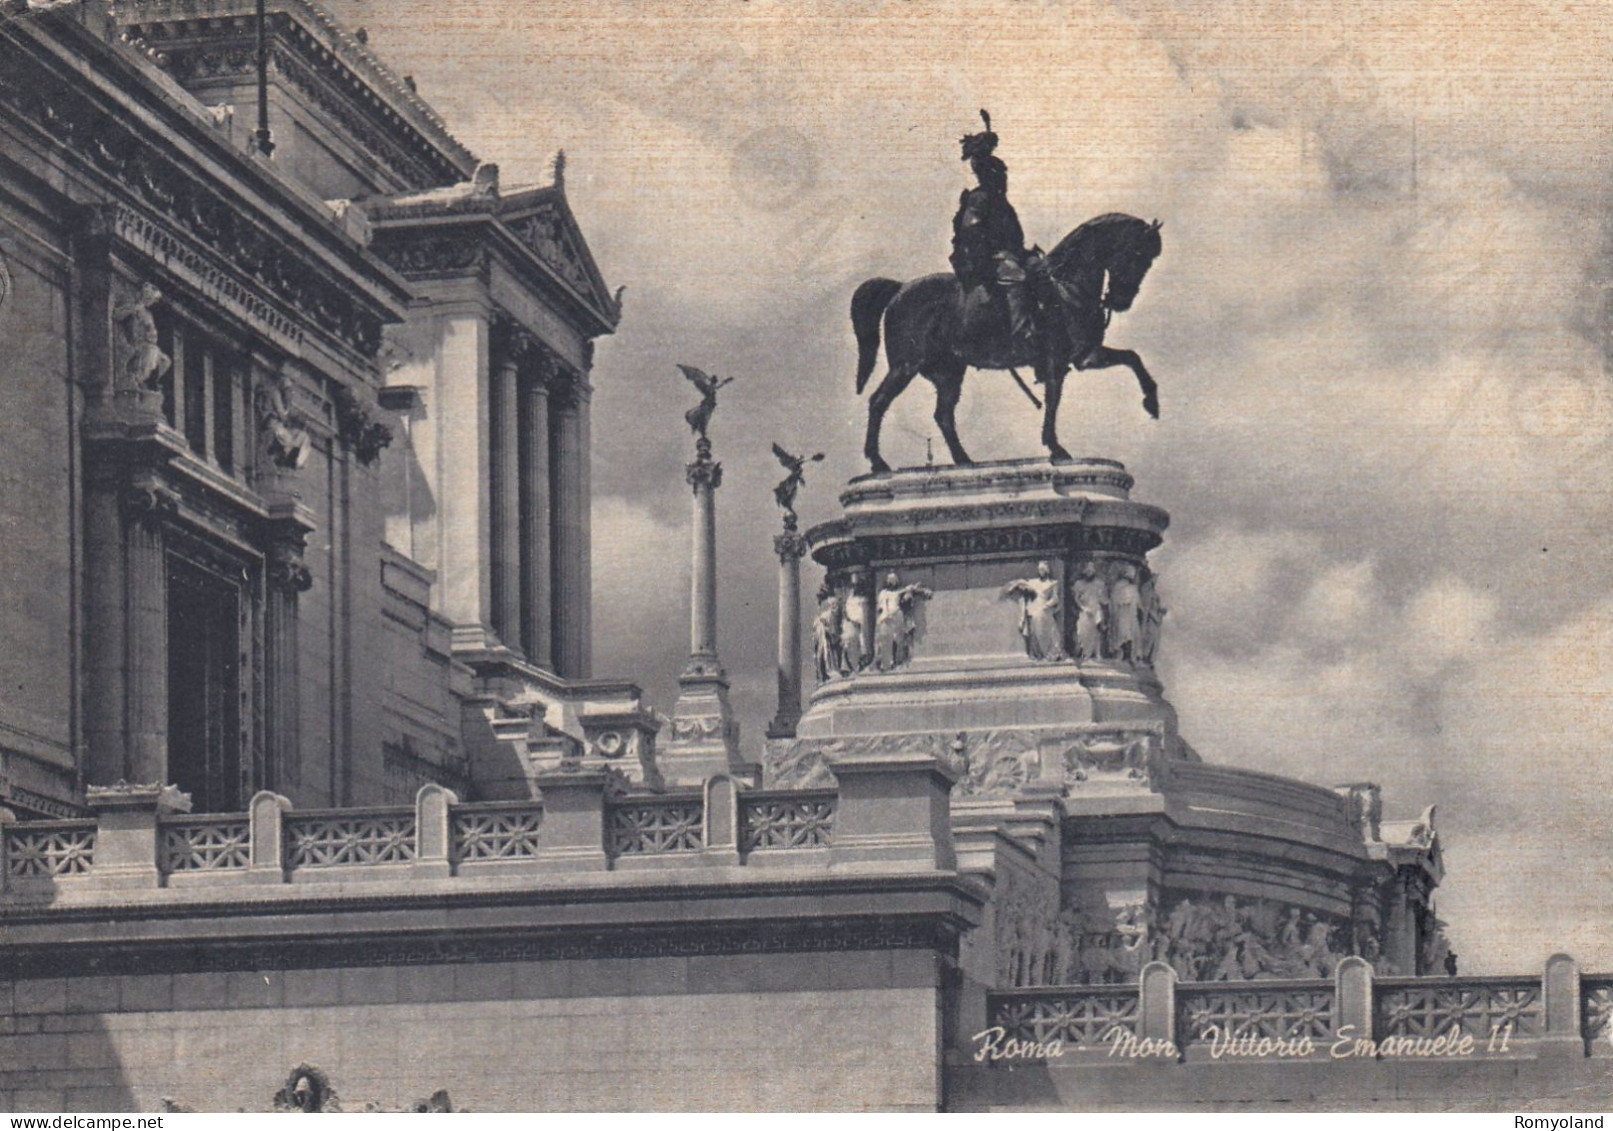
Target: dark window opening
<point>204,688</point>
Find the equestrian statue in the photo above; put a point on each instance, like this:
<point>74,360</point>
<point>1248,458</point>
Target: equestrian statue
<point>1003,307</point>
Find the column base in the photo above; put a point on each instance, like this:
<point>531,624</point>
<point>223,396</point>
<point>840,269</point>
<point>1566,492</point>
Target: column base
<point>704,736</point>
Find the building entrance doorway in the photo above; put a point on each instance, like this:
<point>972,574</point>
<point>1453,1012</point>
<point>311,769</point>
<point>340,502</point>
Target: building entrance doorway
<point>204,688</point>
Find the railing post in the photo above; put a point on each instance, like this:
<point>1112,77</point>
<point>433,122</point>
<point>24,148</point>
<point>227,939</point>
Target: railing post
<point>722,820</point>
<point>266,860</point>
<point>126,832</point>
<point>1352,998</point>
<point>572,838</point>
<point>7,817</point>
<point>433,837</point>
<point>1156,1003</point>
<point>894,810</point>
<point>1559,992</point>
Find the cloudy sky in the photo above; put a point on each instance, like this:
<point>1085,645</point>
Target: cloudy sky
<point>1380,327</point>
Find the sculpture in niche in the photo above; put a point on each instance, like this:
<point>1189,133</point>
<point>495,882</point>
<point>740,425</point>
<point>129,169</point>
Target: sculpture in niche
<point>286,442</point>
<point>1089,596</point>
<point>1152,614</point>
<point>699,417</point>
<point>1039,606</point>
<point>827,650</point>
<point>1125,621</point>
<point>139,359</point>
<point>898,622</point>
<point>787,488</point>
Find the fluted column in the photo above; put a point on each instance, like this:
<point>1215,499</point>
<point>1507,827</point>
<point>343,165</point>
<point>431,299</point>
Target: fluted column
<point>790,548</point>
<point>504,489</point>
<point>537,563</point>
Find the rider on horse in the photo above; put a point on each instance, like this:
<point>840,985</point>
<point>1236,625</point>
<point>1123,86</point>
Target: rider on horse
<point>988,245</point>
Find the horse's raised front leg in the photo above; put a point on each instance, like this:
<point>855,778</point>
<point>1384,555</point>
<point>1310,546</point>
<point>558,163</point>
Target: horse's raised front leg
<point>889,389</point>
<point>1103,357</point>
<point>1053,380</point>
<point>948,388</point>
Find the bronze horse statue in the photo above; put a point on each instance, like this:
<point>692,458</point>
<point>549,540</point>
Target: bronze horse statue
<point>933,328</point>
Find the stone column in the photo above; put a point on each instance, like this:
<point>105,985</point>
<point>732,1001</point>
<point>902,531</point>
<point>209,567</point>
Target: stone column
<point>790,548</point>
<point>566,487</point>
<point>705,737</point>
<point>105,648</point>
<point>537,564</point>
<point>464,565</point>
<point>1400,934</point>
<point>582,541</point>
<point>505,498</point>
<point>705,476</point>
<point>147,502</point>
<point>286,578</point>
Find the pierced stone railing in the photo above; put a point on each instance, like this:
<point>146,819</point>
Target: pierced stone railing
<point>211,843</point>
<point>495,831</point>
<point>1353,1015</point>
<point>885,812</point>
<point>1596,1007</point>
<point>45,850</point>
<point>1476,1007</point>
<point>655,825</point>
<point>336,838</point>
<point>1081,1017</point>
<point>776,820</point>
<point>1285,1010</point>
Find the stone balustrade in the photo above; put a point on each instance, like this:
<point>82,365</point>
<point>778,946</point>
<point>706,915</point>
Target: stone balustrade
<point>1353,1015</point>
<point>584,822</point>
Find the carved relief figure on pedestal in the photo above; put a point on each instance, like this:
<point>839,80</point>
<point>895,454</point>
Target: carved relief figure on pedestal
<point>1153,617</point>
<point>1125,619</point>
<point>898,622</point>
<point>285,441</point>
<point>1090,597</point>
<point>1233,943</point>
<point>1039,607</point>
<point>854,655</point>
<point>827,650</point>
<point>139,359</point>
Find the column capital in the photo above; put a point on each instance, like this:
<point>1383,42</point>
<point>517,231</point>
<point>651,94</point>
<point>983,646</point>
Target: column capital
<point>704,473</point>
<point>789,546</point>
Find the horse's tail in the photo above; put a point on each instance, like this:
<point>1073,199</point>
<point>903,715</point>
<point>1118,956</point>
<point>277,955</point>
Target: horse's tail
<point>867,308</point>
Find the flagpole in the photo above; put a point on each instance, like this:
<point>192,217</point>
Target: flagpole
<point>264,139</point>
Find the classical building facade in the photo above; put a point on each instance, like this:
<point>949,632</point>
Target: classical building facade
<point>302,410</point>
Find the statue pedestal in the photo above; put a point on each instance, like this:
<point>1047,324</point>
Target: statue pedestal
<point>964,533</point>
<point>703,733</point>
<point>1009,619</point>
